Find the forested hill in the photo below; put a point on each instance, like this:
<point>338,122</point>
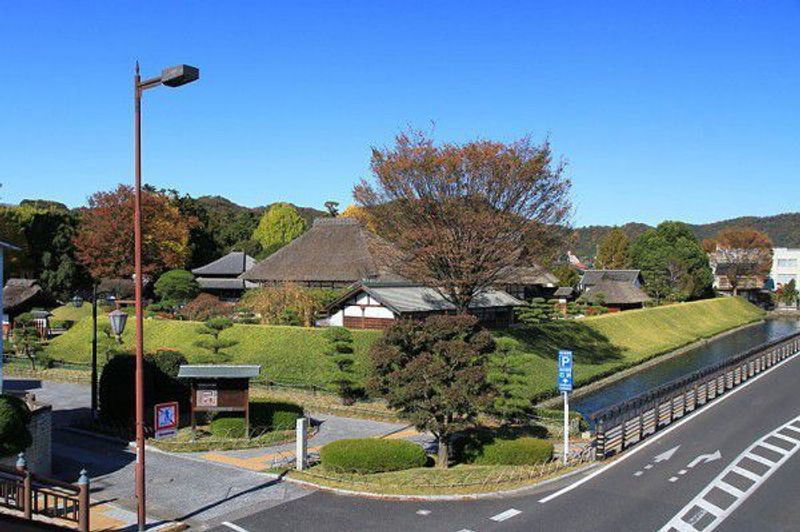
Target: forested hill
<point>226,207</point>
<point>783,229</point>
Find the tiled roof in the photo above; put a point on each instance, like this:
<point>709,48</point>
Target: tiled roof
<point>218,371</point>
<point>233,264</point>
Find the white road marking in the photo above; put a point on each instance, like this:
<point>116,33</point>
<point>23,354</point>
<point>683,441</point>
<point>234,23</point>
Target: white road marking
<point>649,466</point>
<point>661,434</point>
<point>423,512</point>
<point>508,514</point>
<point>705,458</point>
<point>739,496</point>
<point>666,455</point>
<point>745,473</point>
<point>787,439</point>
<point>682,472</point>
<point>673,479</point>
<point>761,459</point>
<point>638,474</point>
<point>237,528</point>
<point>771,447</point>
<point>465,530</point>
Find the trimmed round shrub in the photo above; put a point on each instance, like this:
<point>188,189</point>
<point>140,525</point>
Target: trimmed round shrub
<point>228,427</point>
<point>176,285</point>
<point>368,455</point>
<point>14,418</point>
<point>519,451</point>
<point>274,415</point>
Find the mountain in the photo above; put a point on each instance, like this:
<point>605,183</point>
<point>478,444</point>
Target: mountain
<point>225,206</point>
<point>783,230</point>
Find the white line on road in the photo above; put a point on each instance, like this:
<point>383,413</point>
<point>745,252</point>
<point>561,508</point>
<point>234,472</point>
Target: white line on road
<point>664,432</point>
<point>423,512</point>
<point>687,513</point>
<point>508,514</point>
<point>237,528</point>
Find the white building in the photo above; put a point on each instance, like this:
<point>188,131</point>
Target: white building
<point>785,266</point>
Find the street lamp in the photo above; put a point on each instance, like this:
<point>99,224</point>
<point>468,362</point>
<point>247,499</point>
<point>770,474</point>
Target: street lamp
<point>77,301</point>
<point>171,77</point>
<point>118,319</point>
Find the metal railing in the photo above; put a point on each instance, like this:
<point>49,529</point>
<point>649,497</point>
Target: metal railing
<point>626,423</point>
<point>33,494</point>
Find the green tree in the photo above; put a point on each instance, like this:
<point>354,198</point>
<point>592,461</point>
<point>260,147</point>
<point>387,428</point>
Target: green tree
<point>788,293</point>
<point>280,225</point>
<point>27,341</point>
<point>613,253</point>
<point>509,370</point>
<point>340,349</point>
<point>211,329</point>
<point>673,264</point>
<point>433,373</point>
<point>537,311</point>
<point>177,285</point>
<point>567,275</point>
<point>15,436</point>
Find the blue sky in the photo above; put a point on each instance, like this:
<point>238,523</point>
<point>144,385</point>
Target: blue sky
<point>664,110</point>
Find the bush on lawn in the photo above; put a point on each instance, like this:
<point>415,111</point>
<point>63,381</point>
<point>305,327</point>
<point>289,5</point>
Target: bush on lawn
<point>228,427</point>
<point>369,455</point>
<point>117,390</point>
<point>274,415</point>
<point>14,418</point>
<point>205,306</point>
<point>481,447</point>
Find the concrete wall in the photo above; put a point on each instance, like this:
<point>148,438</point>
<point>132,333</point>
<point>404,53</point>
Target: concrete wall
<point>360,305</point>
<point>785,265</point>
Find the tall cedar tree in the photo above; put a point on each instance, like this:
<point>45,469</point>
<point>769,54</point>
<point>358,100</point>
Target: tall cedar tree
<point>433,373</point>
<point>280,225</point>
<point>463,214</point>
<point>740,254</point>
<point>613,253</point>
<point>340,349</point>
<point>104,242</point>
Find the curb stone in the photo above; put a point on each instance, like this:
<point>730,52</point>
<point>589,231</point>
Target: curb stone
<point>460,497</point>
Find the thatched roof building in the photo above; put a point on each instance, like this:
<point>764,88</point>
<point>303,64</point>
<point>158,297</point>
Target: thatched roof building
<point>22,295</point>
<point>615,289</point>
<point>334,253</point>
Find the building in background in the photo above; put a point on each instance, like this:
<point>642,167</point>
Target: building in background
<point>3,247</point>
<point>616,289</point>
<point>785,266</point>
<point>221,277</point>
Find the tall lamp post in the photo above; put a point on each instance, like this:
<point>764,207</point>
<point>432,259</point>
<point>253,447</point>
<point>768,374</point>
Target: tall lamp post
<point>171,77</point>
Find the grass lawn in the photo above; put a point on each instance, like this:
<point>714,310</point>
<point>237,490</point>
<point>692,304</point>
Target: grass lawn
<point>291,355</point>
<point>602,345</point>
<point>605,344</point>
<point>71,313</point>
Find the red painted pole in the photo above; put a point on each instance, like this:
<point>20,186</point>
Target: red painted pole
<point>141,511</point>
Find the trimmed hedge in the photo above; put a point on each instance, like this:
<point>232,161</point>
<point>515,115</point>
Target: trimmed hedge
<point>228,427</point>
<point>519,451</point>
<point>369,455</point>
<point>274,415</point>
<point>14,419</point>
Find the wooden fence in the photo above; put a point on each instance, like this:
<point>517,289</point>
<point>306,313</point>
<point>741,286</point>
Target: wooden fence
<point>626,423</point>
<point>33,495</point>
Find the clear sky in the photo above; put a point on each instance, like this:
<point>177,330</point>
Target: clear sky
<point>680,110</point>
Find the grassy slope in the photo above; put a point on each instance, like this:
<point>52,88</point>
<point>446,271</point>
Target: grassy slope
<point>287,354</point>
<point>602,344</point>
<point>70,313</point>
<point>605,344</point>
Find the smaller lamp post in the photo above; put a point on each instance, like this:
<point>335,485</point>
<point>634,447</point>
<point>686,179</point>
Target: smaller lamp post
<point>118,319</point>
<point>77,301</point>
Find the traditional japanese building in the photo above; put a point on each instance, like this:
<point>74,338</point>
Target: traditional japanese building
<point>222,277</point>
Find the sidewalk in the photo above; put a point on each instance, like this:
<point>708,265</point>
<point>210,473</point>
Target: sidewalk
<point>331,428</point>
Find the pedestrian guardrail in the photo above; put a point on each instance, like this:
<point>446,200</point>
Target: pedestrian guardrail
<point>33,494</point>
<point>626,423</point>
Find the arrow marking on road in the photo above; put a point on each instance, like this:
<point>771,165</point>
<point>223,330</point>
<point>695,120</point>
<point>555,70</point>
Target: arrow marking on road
<point>666,455</point>
<point>705,458</point>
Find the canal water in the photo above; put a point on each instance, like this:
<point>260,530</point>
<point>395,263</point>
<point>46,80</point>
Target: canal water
<point>682,365</point>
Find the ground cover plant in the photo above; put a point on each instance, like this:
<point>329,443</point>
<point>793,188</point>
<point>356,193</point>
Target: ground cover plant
<point>296,355</point>
<point>370,455</point>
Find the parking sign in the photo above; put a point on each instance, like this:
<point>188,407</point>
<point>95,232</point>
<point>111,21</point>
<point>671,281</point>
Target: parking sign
<point>565,371</point>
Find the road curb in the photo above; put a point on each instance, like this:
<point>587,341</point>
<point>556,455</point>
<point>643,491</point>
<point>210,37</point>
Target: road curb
<point>459,497</point>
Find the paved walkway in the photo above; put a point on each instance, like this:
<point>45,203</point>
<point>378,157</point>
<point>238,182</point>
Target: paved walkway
<point>202,489</point>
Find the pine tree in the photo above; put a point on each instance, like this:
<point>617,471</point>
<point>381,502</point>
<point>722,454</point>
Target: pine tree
<point>537,311</point>
<point>508,374</point>
<point>212,327</point>
<point>340,349</point>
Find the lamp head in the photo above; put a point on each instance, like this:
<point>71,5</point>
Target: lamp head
<point>179,75</point>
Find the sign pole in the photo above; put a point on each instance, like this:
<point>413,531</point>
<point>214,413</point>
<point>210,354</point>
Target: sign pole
<point>566,427</point>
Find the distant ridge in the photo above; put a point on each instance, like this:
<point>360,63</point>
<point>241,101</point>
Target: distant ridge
<point>783,229</point>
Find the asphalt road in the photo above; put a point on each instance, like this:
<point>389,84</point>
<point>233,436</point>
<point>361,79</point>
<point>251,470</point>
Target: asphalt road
<point>684,473</point>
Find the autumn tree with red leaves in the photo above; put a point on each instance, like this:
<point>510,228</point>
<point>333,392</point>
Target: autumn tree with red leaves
<point>463,214</point>
<point>104,241</point>
<point>741,255</point>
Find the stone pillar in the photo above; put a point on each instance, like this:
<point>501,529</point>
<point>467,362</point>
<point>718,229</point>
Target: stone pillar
<point>301,451</point>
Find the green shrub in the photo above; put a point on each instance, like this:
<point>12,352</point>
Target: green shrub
<point>273,415</point>
<point>228,427</point>
<point>481,448</point>
<point>368,455</point>
<point>14,418</point>
<point>176,285</point>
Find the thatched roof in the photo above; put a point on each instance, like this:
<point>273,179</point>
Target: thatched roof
<point>17,292</point>
<point>333,250</point>
<point>618,287</point>
<point>527,275</point>
<point>231,265</point>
